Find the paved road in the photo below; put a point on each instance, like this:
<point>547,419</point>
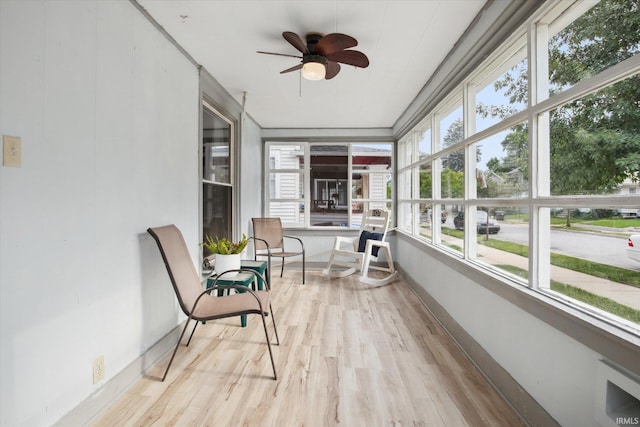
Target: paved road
<point>604,249</point>
<point>601,248</point>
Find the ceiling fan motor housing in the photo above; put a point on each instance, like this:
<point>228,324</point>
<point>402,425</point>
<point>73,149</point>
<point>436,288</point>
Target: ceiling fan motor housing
<point>312,41</point>
<point>314,58</point>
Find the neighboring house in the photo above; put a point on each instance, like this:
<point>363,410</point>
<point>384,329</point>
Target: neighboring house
<point>508,184</point>
<point>329,180</point>
<point>629,187</point>
<point>286,185</point>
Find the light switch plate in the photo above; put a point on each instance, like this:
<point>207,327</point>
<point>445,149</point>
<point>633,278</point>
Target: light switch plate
<point>11,151</point>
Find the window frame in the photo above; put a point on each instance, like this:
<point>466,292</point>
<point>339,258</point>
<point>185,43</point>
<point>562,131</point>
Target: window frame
<point>208,106</point>
<point>305,173</point>
<point>539,200</point>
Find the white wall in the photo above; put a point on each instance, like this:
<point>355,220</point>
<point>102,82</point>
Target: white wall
<point>251,168</point>
<point>558,371</point>
<point>107,110</point>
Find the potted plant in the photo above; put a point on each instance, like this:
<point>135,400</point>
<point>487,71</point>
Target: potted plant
<point>227,253</point>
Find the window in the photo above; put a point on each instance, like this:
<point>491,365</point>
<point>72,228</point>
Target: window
<point>502,96</point>
<point>593,140</point>
<point>538,183</point>
<point>580,46</point>
<point>327,184</point>
<point>286,182</point>
<point>217,182</point>
<point>503,164</point>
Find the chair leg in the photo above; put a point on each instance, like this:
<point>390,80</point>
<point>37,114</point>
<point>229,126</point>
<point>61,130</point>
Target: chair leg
<point>341,273</point>
<point>191,336</point>
<point>392,276</point>
<point>266,334</point>
<point>282,268</point>
<point>273,319</point>
<point>327,270</point>
<point>366,259</point>
<point>303,275</point>
<point>269,270</point>
<point>176,349</point>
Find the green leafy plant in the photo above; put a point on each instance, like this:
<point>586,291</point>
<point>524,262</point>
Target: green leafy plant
<point>224,246</point>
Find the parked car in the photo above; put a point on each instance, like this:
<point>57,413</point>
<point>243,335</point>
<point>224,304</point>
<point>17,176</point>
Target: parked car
<point>629,213</point>
<point>482,223</point>
<point>633,247</point>
<point>426,216</point>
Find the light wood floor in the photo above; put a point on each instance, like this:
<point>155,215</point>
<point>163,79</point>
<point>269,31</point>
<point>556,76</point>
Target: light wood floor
<point>350,355</point>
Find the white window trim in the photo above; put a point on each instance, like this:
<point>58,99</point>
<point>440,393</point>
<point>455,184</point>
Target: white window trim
<point>539,200</point>
<point>306,177</point>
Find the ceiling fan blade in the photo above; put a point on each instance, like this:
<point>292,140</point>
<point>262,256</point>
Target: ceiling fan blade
<point>333,68</point>
<point>288,70</point>
<point>279,54</point>
<point>350,57</point>
<point>295,41</point>
<point>334,42</point>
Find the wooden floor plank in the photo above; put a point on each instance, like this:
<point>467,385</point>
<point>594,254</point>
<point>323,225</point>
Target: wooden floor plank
<point>350,354</point>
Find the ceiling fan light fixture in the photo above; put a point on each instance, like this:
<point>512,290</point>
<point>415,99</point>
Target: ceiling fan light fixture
<point>314,67</point>
<point>314,71</point>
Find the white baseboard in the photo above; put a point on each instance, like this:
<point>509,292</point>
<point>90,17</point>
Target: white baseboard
<point>89,409</point>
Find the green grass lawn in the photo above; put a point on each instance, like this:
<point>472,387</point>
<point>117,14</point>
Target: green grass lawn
<point>593,300</point>
<point>517,217</point>
<point>560,221</point>
<point>607,222</point>
<point>615,274</point>
<point>609,272</point>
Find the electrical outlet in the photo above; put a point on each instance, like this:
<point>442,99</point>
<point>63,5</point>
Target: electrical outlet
<point>98,369</point>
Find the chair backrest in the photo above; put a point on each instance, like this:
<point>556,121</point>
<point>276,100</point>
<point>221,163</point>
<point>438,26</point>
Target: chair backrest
<point>182,272</point>
<point>269,229</point>
<point>374,225</point>
<point>375,220</point>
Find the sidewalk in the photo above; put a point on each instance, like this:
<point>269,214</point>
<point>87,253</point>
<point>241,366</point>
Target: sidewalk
<point>623,294</point>
<point>620,293</point>
<point>598,229</point>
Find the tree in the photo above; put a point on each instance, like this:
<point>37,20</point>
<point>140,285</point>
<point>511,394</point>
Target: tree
<point>425,184</point>
<point>455,160</point>
<point>452,183</point>
<point>516,146</point>
<point>495,165</point>
<point>594,141</point>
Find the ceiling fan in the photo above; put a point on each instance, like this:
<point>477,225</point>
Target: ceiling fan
<point>321,55</point>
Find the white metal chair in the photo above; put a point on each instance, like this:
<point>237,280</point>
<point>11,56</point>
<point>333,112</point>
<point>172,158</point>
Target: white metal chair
<point>357,253</point>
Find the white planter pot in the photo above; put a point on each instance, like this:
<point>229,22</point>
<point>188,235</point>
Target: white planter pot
<point>227,262</point>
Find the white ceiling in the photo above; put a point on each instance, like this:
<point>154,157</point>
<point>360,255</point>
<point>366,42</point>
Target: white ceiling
<point>405,41</point>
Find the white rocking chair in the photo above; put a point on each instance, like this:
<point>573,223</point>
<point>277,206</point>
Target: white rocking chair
<point>357,253</point>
